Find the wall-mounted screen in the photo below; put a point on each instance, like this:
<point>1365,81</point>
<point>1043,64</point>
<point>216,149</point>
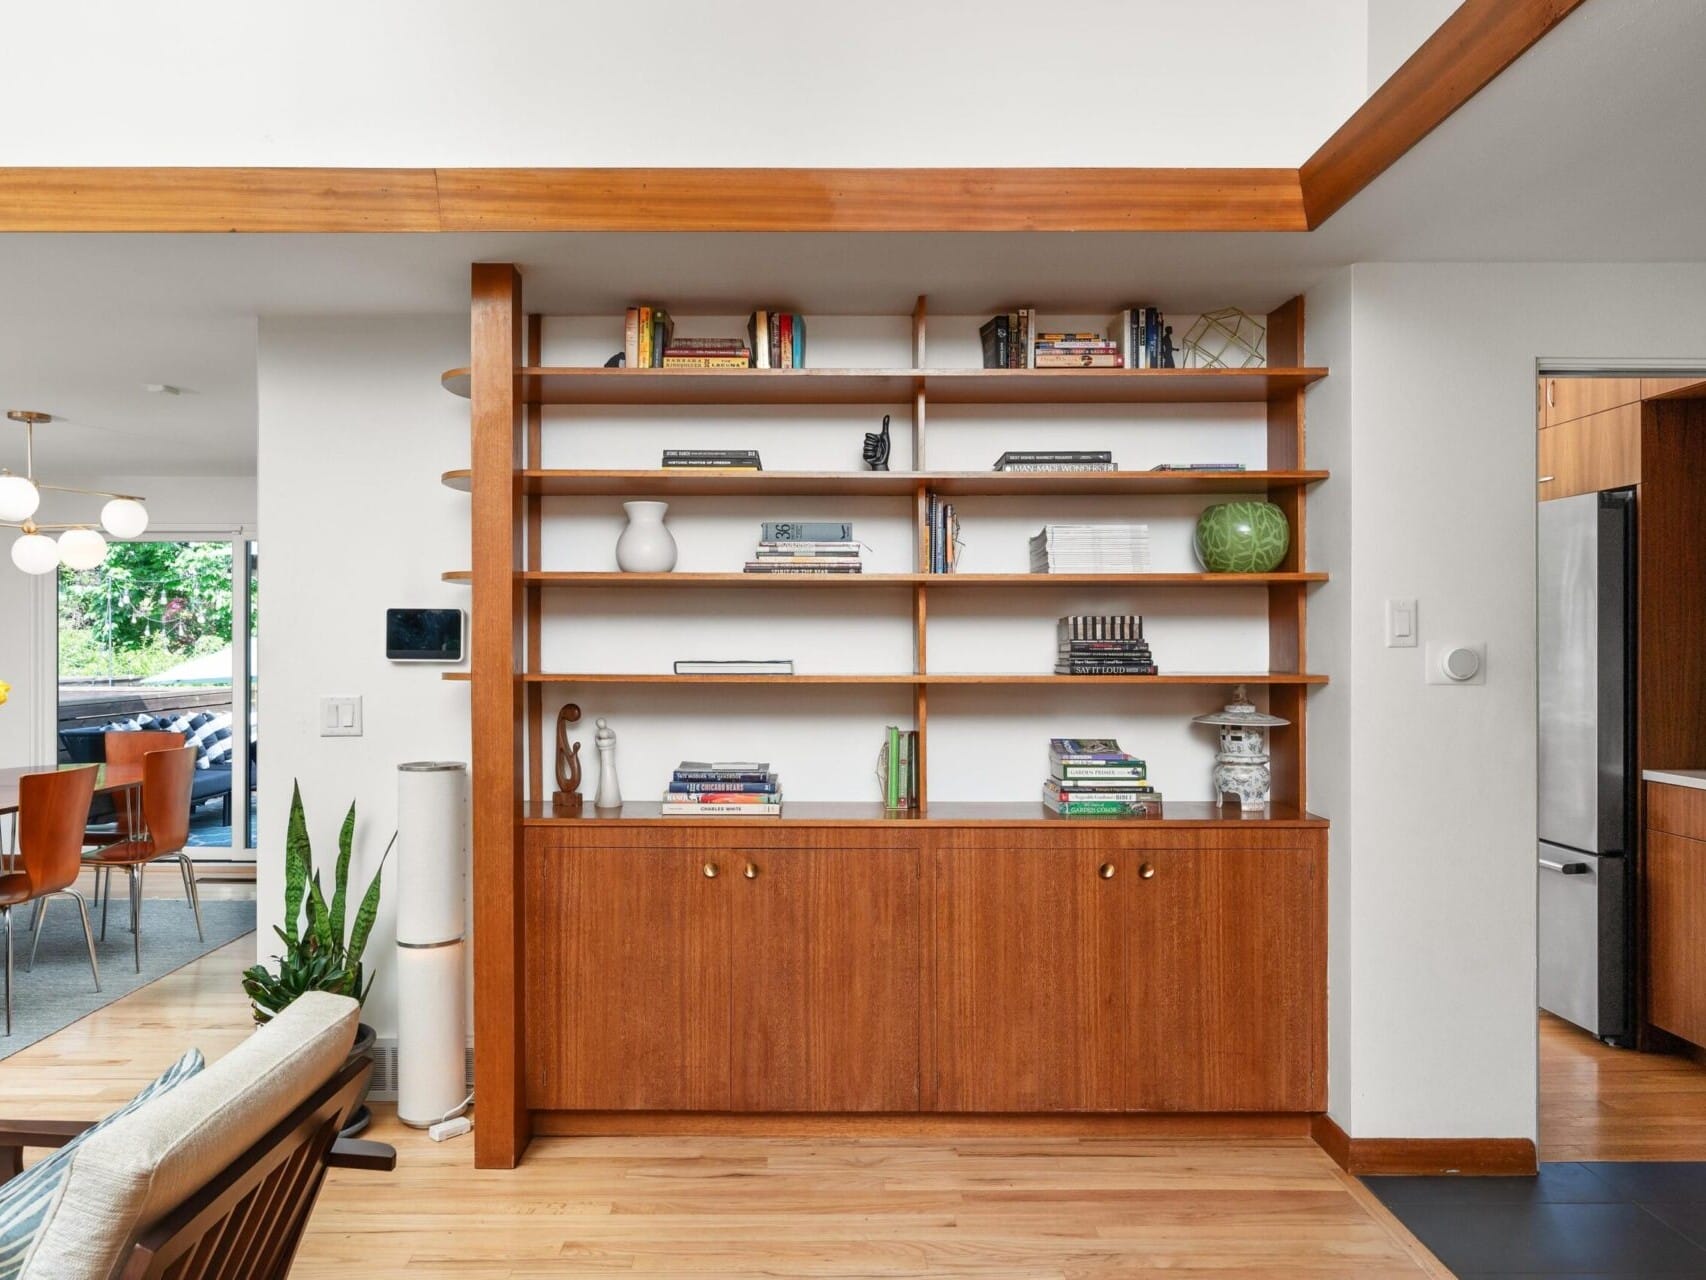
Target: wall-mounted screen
<point>423,635</point>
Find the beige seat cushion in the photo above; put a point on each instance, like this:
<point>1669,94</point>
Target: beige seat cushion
<point>142,1166</point>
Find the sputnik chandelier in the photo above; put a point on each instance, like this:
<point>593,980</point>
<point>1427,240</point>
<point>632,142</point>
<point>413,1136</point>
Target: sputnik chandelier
<point>80,544</point>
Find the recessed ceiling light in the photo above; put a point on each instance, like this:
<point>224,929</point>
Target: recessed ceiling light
<point>161,388</point>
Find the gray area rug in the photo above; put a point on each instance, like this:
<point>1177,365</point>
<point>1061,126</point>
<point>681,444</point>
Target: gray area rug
<point>60,991</point>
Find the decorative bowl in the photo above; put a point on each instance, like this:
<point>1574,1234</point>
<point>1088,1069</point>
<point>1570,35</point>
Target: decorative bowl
<point>1242,537</point>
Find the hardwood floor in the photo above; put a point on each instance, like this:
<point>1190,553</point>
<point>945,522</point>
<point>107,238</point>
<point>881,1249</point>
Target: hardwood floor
<point>723,1207</point>
<point>1598,1103</point>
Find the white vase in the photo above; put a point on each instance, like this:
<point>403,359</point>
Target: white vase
<point>645,545</point>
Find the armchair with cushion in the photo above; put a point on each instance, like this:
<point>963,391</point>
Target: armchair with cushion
<point>208,1172</point>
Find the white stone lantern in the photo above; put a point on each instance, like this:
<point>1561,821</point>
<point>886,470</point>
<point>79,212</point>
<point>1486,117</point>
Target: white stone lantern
<point>1241,768</point>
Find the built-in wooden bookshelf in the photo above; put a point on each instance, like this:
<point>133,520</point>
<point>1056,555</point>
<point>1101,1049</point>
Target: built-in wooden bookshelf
<point>628,963</point>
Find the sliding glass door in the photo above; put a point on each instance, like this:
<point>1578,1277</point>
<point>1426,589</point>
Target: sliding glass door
<point>162,635</point>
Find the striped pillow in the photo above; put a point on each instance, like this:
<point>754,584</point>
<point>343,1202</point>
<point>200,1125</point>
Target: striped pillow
<point>28,1201</point>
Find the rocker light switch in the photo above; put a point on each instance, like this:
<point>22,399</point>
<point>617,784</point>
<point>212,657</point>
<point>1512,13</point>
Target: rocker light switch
<point>340,717</point>
<point>1401,629</point>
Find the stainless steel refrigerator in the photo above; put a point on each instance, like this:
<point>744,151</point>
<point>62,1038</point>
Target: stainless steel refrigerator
<point>1587,760</point>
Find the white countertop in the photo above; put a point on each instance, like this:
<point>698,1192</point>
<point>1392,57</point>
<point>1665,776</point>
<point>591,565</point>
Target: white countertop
<point>1695,778</point>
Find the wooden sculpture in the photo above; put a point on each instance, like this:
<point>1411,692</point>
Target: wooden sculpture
<point>567,801</point>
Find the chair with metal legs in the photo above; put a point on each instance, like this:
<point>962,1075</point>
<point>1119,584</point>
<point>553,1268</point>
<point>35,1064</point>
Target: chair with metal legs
<point>121,748</point>
<point>52,809</point>
<point>166,779</point>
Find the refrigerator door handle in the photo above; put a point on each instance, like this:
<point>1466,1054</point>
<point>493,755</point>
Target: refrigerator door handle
<point>1565,868</point>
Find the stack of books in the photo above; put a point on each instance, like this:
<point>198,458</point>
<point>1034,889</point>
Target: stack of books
<point>897,768</point>
<point>646,334</point>
<point>1137,331</point>
<point>731,789</point>
<point>1081,349</point>
<point>945,544</point>
<point>1009,340</point>
<point>806,546</point>
<point>1091,548</point>
<point>1059,460</point>
<point>1102,645</point>
<point>778,339</point>
<point>713,459</point>
<point>1093,778</point>
<point>707,353</point>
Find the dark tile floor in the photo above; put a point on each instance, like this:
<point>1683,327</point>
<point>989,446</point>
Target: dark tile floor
<point>1586,1221</point>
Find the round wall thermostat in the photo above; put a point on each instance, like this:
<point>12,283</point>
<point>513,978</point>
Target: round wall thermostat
<point>1460,663</point>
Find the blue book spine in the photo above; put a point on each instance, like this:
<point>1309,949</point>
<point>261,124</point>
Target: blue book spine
<point>766,788</point>
<point>722,781</point>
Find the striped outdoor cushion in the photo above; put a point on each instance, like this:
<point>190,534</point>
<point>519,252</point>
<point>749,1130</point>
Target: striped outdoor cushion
<point>28,1201</point>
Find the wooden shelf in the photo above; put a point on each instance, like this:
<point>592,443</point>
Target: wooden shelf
<point>930,678</point>
<point>994,813</point>
<point>849,581</point>
<point>890,484</point>
<point>583,386</point>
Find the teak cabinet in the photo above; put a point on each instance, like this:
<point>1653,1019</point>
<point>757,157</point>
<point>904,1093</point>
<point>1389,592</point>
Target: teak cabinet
<point>1675,901</point>
<point>968,971</point>
<point>1591,453</point>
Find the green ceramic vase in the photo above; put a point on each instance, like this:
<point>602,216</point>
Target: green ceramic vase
<point>1242,537</point>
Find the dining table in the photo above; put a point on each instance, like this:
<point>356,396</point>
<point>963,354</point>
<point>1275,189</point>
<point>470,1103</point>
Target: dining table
<point>121,783</point>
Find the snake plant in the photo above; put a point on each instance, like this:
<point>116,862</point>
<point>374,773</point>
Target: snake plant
<point>317,955</point>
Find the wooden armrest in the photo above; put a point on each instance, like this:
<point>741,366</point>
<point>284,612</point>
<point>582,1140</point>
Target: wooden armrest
<point>15,1135</point>
<point>41,1133</point>
<point>358,1153</point>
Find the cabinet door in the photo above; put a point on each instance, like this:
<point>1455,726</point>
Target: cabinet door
<point>628,979</point>
<point>825,999</point>
<point>1029,966</point>
<point>1567,399</point>
<point>1227,999</point>
<point>1676,935</point>
<point>1651,387</point>
<point>1585,455</point>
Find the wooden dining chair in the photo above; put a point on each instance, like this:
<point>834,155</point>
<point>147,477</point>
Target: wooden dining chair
<point>52,809</point>
<point>126,747</point>
<point>166,779</point>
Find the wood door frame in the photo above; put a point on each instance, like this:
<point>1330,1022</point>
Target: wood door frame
<point>1477,42</point>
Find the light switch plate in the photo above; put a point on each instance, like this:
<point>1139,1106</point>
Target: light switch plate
<point>1433,664</point>
<point>1402,627</point>
<point>340,716</point>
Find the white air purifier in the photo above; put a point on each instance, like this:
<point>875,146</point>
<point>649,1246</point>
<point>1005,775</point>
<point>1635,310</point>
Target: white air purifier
<point>432,895</point>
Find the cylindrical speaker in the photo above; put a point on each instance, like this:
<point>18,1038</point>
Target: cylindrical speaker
<point>432,1035</point>
<point>432,891</point>
<point>432,852</point>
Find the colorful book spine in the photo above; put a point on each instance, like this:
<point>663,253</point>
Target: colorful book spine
<point>806,531</point>
<point>675,809</point>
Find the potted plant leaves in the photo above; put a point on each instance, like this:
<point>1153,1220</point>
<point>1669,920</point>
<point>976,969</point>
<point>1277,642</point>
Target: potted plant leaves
<point>318,956</point>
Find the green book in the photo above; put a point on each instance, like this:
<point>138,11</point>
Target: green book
<point>891,769</point>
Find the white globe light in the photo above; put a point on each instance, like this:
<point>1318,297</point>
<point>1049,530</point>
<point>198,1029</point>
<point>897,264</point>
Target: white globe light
<point>82,548</point>
<point>18,498</point>
<point>35,553</point>
<point>124,518</point>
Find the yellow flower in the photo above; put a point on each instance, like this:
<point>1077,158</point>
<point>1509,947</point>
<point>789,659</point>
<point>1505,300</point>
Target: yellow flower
<point>4,690</point>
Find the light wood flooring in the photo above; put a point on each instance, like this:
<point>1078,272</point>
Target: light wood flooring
<point>723,1207</point>
<point>1598,1103</point>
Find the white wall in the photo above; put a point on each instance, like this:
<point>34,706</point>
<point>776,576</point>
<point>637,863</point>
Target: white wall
<point>354,434</point>
<point>1433,926</point>
<point>1396,28</point>
<point>534,82</point>
<point>28,620</point>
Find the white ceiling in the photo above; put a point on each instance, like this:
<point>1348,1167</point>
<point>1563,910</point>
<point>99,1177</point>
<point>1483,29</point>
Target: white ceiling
<point>1592,147</point>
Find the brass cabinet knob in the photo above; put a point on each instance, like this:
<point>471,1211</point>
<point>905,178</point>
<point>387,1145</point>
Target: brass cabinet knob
<point>751,872</point>
<point>1146,871</point>
<point>1106,871</point>
<point>710,871</point>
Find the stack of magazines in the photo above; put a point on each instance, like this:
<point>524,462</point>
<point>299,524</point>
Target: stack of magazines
<point>1091,548</point>
<point>1093,778</point>
<point>729,788</point>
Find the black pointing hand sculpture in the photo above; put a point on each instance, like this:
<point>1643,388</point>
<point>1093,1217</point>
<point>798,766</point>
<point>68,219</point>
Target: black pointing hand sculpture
<point>877,447</point>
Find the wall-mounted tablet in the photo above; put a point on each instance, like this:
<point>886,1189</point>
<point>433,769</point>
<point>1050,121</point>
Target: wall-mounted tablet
<point>424,635</point>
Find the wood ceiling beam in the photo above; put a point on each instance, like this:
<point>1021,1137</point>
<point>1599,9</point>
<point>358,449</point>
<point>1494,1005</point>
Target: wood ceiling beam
<point>1478,41</point>
<point>1471,47</point>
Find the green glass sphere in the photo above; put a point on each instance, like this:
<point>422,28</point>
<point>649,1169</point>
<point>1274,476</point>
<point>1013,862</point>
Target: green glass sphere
<point>1242,537</point>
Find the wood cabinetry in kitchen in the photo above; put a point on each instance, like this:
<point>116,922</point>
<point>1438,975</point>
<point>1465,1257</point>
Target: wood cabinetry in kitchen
<point>1675,901</point>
